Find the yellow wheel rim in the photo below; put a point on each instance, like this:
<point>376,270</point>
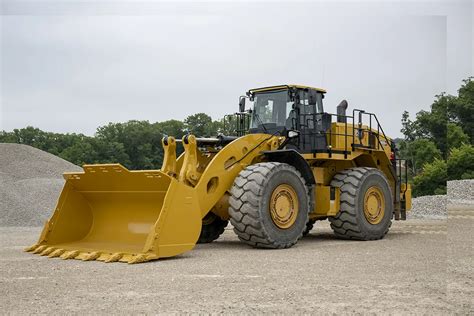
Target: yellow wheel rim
<point>284,206</point>
<point>374,205</point>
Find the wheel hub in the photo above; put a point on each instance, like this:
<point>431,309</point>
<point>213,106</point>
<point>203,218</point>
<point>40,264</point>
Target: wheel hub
<point>374,205</point>
<point>284,206</point>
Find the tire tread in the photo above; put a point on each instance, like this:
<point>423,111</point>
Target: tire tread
<point>345,224</point>
<point>244,199</point>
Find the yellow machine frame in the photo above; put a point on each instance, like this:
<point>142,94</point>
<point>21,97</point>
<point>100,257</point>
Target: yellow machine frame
<point>109,213</point>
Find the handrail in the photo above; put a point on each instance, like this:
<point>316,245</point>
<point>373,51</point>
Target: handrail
<point>400,160</point>
<point>241,124</point>
<point>379,126</point>
<point>312,131</point>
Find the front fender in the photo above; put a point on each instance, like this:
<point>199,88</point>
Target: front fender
<point>292,157</point>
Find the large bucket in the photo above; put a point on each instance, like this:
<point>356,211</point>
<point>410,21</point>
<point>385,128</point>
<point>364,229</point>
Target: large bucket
<point>109,213</point>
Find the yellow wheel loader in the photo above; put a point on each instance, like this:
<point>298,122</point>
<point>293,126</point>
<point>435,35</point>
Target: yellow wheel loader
<point>287,165</point>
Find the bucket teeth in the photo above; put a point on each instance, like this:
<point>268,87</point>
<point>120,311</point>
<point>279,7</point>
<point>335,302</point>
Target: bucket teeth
<point>114,257</point>
<point>40,249</point>
<point>31,248</point>
<point>70,254</point>
<point>138,259</point>
<point>56,253</point>
<point>91,256</point>
<point>47,251</point>
<point>53,252</point>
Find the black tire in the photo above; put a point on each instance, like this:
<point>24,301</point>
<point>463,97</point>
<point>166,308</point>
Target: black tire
<point>250,201</point>
<point>350,222</point>
<point>212,227</point>
<point>309,227</point>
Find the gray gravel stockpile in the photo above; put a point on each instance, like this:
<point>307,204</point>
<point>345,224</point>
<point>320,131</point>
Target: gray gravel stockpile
<point>30,183</point>
<point>461,192</point>
<point>429,207</point>
<point>435,206</point>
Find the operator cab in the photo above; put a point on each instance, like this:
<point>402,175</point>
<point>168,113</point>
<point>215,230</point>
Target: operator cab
<point>279,109</point>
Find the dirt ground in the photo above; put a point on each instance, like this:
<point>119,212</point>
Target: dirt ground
<point>422,266</point>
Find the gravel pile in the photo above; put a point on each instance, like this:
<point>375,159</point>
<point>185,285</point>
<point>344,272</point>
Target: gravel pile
<point>429,207</point>
<point>435,206</point>
<point>461,192</point>
<point>30,184</point>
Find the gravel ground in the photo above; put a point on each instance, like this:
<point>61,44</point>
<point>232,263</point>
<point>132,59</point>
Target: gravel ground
<point>30,184</point>
<point>460,257</point>
<point>408,272</point>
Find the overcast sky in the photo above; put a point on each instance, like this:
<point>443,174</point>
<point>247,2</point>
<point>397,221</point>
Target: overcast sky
<point>71,66</point>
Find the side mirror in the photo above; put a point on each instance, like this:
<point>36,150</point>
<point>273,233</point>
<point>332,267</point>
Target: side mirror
<point>312,97</point>
<point>242,104</point>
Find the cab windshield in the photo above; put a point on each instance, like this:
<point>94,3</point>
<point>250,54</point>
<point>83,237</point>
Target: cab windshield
<point>271,108</point>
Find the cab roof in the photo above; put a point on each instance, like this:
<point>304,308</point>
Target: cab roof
<point>286,86</point>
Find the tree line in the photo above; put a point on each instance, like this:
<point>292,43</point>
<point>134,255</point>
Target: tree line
<point>134,144</point>
<point>438,143</point>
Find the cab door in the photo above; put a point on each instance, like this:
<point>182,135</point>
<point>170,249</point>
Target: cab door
<point>311,121</point>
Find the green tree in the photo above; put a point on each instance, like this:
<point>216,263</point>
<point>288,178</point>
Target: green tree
<point>140,139</point>
<point>461,163</point>
<point>228,125</point>
<point>110,152</point>
<point>408,127</point>
<point>53,143</point>
<point>80,153</point>
<point>134,144</point>
<point>419,152</point>
<point>433,124</point>
<point>201,125</point>
<point>456,137</point>
<point>28,135</point>
<point>7,137</point>
<point>173,128</point>
<point>432,180</point>
<point>449,124</point>
<point>461,111</point>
